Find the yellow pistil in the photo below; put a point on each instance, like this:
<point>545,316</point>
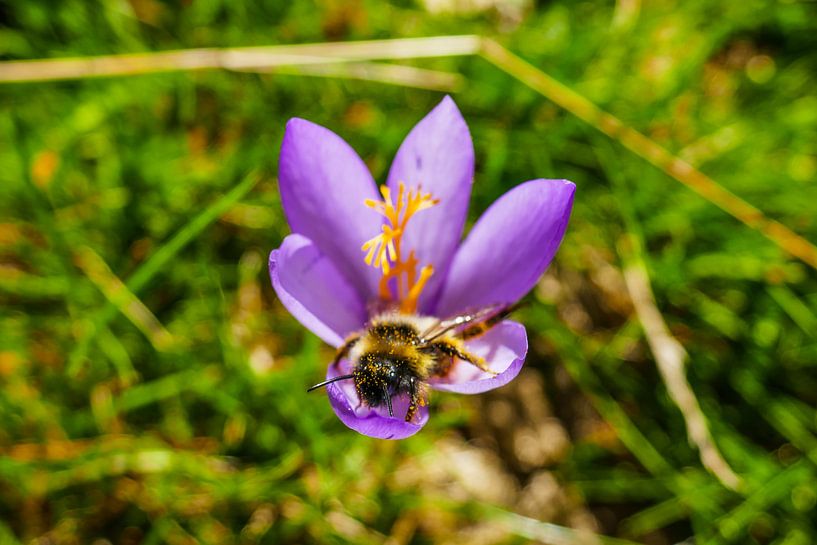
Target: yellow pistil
<point>384,252</point>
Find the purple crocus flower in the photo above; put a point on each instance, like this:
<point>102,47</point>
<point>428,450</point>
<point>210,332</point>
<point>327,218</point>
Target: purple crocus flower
<point>343,259</point>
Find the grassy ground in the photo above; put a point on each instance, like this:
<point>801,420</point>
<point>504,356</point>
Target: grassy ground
<point>152,388</point>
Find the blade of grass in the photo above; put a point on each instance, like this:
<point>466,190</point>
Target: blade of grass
<point>628,486</point>
<point>240,58</point>
<point>392,74</point>
<point>21,284</point>
<point>122,298</point>
<point>684,485</point>
<point>243,59</point>
<point>649,150</point>
<point>733,524</point>
<point>781,414</point>
<point>156,262</point>
<point>168,386</point>
<point>116,352</point>
<point>547,532</point>
<point>7,537</point>
<point>655,516</point>
<point>797,310</point>
<point>670,356</point>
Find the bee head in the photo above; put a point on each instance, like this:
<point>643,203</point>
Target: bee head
<point>378,377</point>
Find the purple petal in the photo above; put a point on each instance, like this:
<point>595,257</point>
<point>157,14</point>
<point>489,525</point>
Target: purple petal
<point>314,291</point>
<point>372,422</point>
<point>504,348</point>
<point>509,248</point>
<point>437,154</point>
<point>323,185</point>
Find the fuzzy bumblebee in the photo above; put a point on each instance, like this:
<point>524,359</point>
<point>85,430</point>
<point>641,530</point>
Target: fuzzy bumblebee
<point>398,353</point>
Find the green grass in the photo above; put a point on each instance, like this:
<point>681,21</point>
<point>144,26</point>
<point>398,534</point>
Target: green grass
<point>191,424</point>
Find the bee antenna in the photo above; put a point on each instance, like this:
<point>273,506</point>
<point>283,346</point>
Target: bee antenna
<point>388,399</point>
<point>330,381</point>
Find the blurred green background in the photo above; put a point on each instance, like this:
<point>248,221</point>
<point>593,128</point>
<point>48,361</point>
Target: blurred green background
<point>152,388</point>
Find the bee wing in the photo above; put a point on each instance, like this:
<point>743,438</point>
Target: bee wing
<point>444,326</point>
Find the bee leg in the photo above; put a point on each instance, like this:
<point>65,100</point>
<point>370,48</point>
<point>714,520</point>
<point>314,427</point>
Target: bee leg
<point>476,361</point>
<point>482,327</point>
<point>388,399</point>
<point>449,348</point>
<point>414,401</point>
<point>343,351</point>
<point>443,365</point>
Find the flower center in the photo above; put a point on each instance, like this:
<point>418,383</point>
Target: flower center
<point>400,280</point>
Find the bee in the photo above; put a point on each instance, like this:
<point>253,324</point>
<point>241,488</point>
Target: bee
<point>397,354</point>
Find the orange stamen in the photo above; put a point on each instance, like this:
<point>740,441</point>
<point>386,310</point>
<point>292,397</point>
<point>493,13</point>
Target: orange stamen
<point>409,304</point>
<point>383,250</point>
